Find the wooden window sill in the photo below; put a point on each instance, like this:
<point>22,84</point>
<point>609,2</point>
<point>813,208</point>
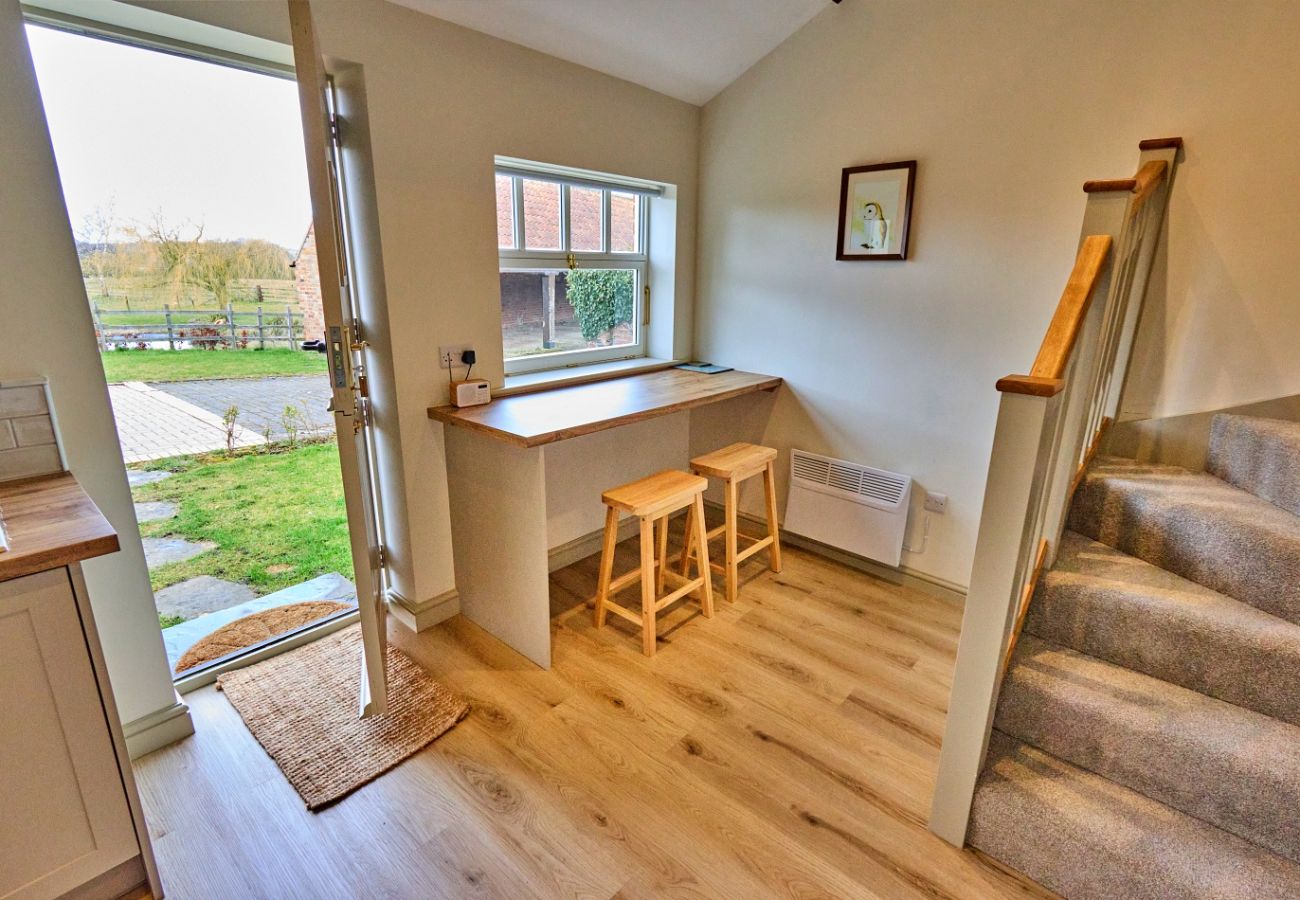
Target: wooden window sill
<point>531,382</point>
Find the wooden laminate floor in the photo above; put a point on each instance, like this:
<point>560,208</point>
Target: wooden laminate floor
<point>786,748</point>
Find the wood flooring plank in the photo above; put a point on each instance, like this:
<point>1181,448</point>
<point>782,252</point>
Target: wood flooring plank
<point>784,749</point>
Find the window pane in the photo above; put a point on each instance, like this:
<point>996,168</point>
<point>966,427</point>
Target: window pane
<point>505,212</point>
<point>553,310</point>
<point>624,222</point>
<point>541,215</point>
<point>584,219</point>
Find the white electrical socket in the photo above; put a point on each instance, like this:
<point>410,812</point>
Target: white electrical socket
<point>936,503</point>
<point>449,354</point>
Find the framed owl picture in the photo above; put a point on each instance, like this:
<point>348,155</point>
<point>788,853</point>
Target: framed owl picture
<point>876,211</point>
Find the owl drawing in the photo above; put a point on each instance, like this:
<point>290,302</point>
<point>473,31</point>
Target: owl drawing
<point>874,227</point>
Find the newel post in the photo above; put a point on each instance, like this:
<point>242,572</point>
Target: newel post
<point>1003,554</point>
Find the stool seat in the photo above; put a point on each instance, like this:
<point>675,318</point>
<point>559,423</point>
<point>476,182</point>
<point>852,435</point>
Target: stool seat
<point>734,461</point>
<point>653,500</point>
<point>670,490</point>
<point>733,464</point>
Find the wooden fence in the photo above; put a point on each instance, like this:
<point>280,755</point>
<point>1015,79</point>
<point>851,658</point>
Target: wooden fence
<point>227,328</point>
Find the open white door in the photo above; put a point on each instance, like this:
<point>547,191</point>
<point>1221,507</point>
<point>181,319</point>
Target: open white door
<point>345,350</point>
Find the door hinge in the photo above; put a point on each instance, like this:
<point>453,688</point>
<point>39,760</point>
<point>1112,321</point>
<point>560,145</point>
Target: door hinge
<point>336,129</point>
<point>359,341</point>
<point>381,557</point>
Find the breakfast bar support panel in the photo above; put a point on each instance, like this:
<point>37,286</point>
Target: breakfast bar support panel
<point>498,519</point>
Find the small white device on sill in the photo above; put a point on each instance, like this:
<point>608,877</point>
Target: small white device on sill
<point>474,392</point>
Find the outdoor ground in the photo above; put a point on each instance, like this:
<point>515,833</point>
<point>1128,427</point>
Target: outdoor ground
<point>156,420</point>
<point>525,339</point>
<point>188,365</point>
<point>276,517</point>
<point>231,533</point>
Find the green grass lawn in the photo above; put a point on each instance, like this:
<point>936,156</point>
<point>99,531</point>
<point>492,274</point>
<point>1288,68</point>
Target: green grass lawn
<point>192,365</point>
<point>277,518</point>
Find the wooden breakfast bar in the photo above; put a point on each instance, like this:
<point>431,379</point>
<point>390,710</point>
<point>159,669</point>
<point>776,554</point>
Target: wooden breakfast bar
<point>525,474</point>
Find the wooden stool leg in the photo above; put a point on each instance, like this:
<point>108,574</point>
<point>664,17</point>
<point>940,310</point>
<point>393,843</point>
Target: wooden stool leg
<point>606,564</point>
<point>661,557</point>
<point>706,573</point>
<point>684,563</point>
<point>647,586</point>
<point>774,530</point>
<point>730,538</point>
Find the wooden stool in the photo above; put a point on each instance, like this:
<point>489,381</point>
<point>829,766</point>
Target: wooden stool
<point>733,465</point>
<point>653,500</point>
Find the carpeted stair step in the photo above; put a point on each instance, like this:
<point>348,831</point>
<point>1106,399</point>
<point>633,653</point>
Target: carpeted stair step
<point>1116,607</point>
<point>1088,838</point>
<point>1261,456</point>
<point>1228,766</point>
<point>1196,526</point>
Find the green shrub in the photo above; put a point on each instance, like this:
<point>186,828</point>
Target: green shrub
<point>601,298</point>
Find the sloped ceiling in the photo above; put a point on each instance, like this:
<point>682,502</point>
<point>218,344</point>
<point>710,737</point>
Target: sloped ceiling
<point>688,49</point>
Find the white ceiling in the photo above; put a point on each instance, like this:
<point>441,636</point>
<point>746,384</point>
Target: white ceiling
<point>689,49</point>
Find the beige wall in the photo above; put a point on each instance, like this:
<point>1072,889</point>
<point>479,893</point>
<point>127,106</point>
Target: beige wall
<point>45,329</point>
<point>442,101</point>
<point>1009,107</point>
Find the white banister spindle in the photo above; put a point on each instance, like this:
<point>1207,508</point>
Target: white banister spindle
<point>1048,423</point>
<point>1153,215</point>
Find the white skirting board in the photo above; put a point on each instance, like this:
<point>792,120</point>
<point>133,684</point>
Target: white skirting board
<point>158,729</point>
<point>420,616</point>
<point>901,575</point>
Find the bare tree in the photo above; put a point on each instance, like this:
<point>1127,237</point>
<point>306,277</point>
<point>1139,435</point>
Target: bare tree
<point>216,267</point>
<point>175,253</point>
<point>98,228</point>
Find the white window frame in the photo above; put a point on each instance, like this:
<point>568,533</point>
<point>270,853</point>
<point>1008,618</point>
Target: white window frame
<point>519,259</point>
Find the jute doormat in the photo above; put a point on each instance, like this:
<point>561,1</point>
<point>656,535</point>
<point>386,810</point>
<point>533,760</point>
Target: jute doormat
<point>302,707</point>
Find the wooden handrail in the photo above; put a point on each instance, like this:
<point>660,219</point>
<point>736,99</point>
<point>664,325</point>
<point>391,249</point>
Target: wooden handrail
<point>1112,184</point>
<point>1161,143</point>
<point>1045,378</point>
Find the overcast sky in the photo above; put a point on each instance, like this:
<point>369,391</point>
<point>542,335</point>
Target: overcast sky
<point>203,143</point>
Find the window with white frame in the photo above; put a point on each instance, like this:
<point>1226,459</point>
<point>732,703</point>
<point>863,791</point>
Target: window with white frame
<point>573,260</point>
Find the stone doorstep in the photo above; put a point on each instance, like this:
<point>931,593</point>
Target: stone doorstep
<point>182,637</point>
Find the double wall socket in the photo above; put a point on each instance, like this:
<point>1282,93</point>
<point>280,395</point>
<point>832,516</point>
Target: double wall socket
<point>449,354</point>
<point>936,503</point>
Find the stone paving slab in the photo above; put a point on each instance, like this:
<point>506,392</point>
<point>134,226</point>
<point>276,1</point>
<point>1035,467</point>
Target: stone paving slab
<point>182,637</point>
<point>155,511</point>
<point>201,594</point>
<point>138,477</point>
<point>160,551</point>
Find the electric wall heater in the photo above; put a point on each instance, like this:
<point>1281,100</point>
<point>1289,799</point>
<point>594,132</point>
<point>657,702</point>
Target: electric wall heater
<point>849,506</point>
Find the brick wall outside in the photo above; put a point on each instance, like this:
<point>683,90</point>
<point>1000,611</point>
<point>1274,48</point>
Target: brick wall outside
<point>521,300</point>
<point>505,220</point>
<point>306,277</point>
<point>542,217</point>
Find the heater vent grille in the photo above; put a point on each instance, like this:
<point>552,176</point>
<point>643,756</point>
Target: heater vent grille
<point>861,484</point>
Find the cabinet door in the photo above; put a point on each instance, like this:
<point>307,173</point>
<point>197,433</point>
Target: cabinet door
<point>65,817</point>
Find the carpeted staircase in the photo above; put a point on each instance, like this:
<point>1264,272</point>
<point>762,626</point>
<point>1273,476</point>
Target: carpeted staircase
<point>1147,740</point>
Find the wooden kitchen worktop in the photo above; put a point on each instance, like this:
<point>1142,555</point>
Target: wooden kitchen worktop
<point>556,414</point>
<point>50,522</point>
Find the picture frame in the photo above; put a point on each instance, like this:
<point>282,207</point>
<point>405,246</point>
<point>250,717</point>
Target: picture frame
<point>876,211</point>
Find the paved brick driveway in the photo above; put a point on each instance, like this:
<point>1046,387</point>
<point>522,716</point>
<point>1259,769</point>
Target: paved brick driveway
<point>180,418</point>
<point>261,401</point>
